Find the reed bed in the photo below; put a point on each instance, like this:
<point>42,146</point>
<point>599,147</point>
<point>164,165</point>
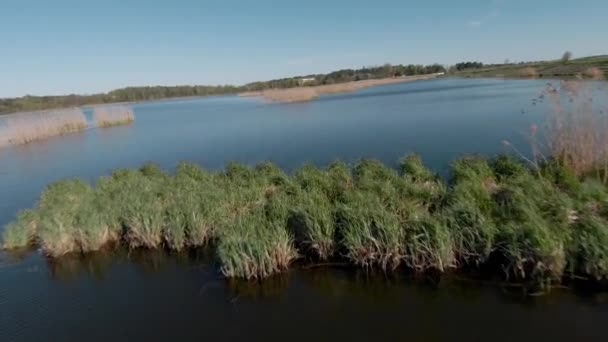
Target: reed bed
<point>594,73</point>
<point>109,116</point>
<point>23,128</point>
<point>528,72</point>
<point>498,214</point>
<point>575,134</point>
<point>291,94</point>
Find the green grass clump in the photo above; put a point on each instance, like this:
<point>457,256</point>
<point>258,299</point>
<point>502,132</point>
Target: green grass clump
<point>469,211</point>
<point>411,165</point>
<point>589,251</point>
<point>196,206</point>
<point>420,184</point>
<point>312,221</point>
<point>370,235</point>
<point>561,176</point>
<point>144,210</point>
<point>592,198</point>
<point>253,240</point>
<point>95,228</point>
<point>373,176</point>
<point>255,248</point>
<point>533,228</point>
<point>428,243</point>
<point>335,181</point>
<point>507,166</point>
<point>60,213</point>
<point>22,232</point>
<point>136,201</point>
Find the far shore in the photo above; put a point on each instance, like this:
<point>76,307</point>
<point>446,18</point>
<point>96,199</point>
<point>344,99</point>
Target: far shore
<point>307,93</point>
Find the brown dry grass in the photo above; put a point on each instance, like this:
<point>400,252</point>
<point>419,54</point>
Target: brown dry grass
<point>290,94</point>
<point>576,135</point>
<point>528,72</point>
<point>113,116</point>
<point>23,128</point>
<point>300,94</point>
<point>594,73</point>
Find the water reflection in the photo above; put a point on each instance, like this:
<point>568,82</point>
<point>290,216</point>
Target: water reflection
<point>99,264</point>
<point>333,282</point>
<point>274,287</point>
<point>72,267</point>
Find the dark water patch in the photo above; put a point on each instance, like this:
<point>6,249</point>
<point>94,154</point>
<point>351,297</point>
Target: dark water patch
<point>160,296</point>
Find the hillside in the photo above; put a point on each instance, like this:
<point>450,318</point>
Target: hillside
<point>543,69</point>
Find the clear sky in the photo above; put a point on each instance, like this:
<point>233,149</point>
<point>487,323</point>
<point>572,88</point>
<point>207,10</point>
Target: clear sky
<point>86,46</point>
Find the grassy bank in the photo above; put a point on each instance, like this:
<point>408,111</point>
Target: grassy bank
<point>307,93</point>
<point>595,67</point>
<point>532,224</point>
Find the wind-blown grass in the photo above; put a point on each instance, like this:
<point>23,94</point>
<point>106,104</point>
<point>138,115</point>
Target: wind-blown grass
<point>530,224</point>
<point>23,128</point>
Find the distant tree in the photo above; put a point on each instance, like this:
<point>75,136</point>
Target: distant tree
<point>468,65</point>
<point>566,57</point>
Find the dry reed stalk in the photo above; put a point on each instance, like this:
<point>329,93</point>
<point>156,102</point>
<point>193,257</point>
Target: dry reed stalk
<point>576,135</point>
<point>290,95</point>
<point>23,128</point>
<point>251,94</point>
<point>528,72</point>
<point>113,116</point>
<point>594,73</point>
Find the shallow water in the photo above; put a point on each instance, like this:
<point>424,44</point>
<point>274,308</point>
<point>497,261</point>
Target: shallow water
<point>154,296</point>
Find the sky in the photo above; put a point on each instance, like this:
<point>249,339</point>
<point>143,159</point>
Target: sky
<point>53,47</point>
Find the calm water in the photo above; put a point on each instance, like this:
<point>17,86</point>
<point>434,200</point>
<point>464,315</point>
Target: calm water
<point>154,296</point>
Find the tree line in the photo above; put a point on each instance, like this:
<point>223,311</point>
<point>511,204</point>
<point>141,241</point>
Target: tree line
<point>129,94</point>
<point>348,75</point>
<point>134,94</point>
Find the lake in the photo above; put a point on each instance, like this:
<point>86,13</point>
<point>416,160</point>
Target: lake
<point>155,296</point>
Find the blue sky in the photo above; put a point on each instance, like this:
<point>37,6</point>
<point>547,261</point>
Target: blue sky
<point>78,46</point>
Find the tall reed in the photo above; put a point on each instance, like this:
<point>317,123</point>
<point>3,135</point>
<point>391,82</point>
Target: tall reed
<point>23,128</point>
<point>528,72</point>
<point>108,116</point>
<point>576,133</point>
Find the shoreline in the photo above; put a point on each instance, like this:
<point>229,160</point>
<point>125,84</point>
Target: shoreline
<point>308,93</point>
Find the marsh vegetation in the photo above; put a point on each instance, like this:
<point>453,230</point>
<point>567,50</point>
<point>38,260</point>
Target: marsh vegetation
<point>539,225</point>
<point>109,116</point>
<point>24,128</point>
